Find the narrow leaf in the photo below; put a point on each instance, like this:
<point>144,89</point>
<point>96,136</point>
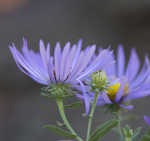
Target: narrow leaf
<point>73,105</point>
<point>59,131</point>
<point>103,129</point>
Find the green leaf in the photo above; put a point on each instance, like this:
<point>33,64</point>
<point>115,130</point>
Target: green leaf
<point>103,129</point>
<point>146,137</point>
<point>59,131</point>
<point>73,105</point>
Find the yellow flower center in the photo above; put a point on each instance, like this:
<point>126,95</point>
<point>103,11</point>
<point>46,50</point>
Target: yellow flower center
<point>112,90</point>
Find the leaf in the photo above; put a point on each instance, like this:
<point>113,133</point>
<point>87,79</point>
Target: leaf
<point>73,105</point>
<point>103,129</point>
<point>146,137</point>
<point>59,131</point>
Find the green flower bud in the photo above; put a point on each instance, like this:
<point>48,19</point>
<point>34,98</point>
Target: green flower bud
<point>99,81</point>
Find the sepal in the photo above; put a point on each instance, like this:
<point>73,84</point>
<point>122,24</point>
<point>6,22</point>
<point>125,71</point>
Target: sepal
<point>58,91</point>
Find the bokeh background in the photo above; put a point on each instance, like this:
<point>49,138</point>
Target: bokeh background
<point>105,22</point>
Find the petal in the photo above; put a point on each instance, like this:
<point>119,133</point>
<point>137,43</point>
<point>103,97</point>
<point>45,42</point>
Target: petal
<point>120,61</point>
<point>64,60</point>
<point>76,55</point>
<point>120,92</point>
<point>28,68</point>
<point>34,60</point>
<point>142,75</point>
<point>43,53</point>
<point>57,59</point>
<point>103,99</point>
<point>101,61</point>
<point>86,98</point>
<point>128,107</point>
<point>111,69</point>
<point>84,60</point>
<point>133,66</point>
<point>137,94</point>
<point>147,120</point>
<point>68,62</point>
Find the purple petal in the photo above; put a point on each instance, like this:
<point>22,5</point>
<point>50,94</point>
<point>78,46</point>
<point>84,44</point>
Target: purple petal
<point>111,69</point>
<point>120,61</point>
<point>83,61</point>
<point>136,95</point>
<point>128,107</point>
<point>68,62</point>
<point>103,99</point>
<point>44,56</point>
<point>133,66</point>
<point>86,98</point>
<point>103,59</point>
<point>76,55</point>
<point>143,74</point>
<point>64,60</point>
<point>74,72</point>
<point>120,92</point>
<point>27,67</point>
<point>147,120</point>
<point>57,55</point>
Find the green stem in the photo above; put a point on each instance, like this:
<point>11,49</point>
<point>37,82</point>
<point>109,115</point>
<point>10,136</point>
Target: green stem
<point>63,116</point>
<point>91,116</point>
<point>119,127</point>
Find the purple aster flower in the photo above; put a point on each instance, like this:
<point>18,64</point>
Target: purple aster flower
<point>67,65</point>
<point>147,120</point>
<point>131,81</point>
<point>126,83</point>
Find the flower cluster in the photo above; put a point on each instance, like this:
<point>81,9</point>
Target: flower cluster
<point>97,79</point>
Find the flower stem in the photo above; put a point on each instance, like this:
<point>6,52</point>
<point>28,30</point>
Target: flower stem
<point>119,127</point>
<point>63,116</point>
<point>91,116</point>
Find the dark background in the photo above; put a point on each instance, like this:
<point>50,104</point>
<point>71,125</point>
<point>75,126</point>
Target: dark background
<point>104,22</point>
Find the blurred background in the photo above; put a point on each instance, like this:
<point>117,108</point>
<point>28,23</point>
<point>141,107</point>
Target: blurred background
<point>23,111</point>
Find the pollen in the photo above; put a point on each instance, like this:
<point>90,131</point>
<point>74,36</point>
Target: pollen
<point>112,90</point>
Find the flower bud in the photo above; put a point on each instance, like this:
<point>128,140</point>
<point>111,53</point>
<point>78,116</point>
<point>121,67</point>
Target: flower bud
<point>99,81</point>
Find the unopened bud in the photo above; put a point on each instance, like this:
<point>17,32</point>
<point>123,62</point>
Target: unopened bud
<point>99,80</point>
